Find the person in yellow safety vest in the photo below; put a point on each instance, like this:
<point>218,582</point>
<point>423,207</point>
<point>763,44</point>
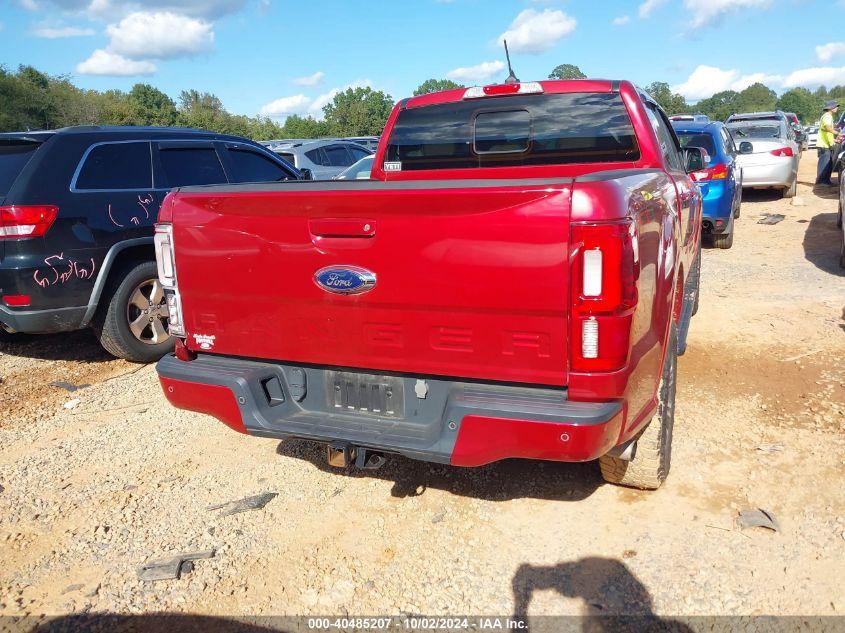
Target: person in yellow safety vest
<point>827,139</point>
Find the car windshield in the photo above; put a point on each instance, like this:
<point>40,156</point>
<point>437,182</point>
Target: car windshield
<point>755,131</point>
<point>697,139</point>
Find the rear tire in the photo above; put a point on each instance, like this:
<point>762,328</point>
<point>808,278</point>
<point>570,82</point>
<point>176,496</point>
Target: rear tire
<point>695,278</point>
<point>738,207</point>
<point>119,304</point>
<point>790,191</point>
<point>723,240</point>
<point>652,457</point>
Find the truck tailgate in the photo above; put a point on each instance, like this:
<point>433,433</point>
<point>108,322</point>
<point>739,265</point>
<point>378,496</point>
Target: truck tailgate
<point>471,277</point>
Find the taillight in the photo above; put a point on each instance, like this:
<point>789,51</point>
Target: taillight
<point>497,90</point>
<point>605,270</point>
<point>16,301</point>
<point>20,221</point>
<point>166,263</point>
<point>782,151</point>
<point>716,172</point>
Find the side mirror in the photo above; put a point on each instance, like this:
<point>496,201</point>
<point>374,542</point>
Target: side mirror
<point>307,174</point>
<point>746,148</point>
<point>694,159</point>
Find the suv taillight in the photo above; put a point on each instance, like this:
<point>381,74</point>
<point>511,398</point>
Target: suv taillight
<point>605,269</point>
<point>20,221</point>
<point>166,262</point>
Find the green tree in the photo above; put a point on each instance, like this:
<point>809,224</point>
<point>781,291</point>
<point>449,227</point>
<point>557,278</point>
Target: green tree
<point>802,102</point>
<point>435,85</point>
<point>720,106</point>
<point>304,127</point>
<point>150,106</point>
<point>358,112</point>
<point>567,71</point>
<point>756,98</point>
<point>671,102</point>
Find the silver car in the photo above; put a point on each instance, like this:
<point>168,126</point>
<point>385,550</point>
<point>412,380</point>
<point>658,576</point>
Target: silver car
<point>812,136</point>
<point>359,171</point>
<point>768,154</point>
<point>324,159</point>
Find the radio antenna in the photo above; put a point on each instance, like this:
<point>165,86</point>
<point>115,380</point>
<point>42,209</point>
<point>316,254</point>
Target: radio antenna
<point>512,79</point>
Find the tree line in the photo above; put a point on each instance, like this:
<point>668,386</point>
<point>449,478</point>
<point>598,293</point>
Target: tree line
<point>31,99</point>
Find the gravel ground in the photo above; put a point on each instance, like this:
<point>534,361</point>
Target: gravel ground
<point>90,493</point>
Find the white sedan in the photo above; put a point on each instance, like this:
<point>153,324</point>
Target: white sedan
<point>768,155</point>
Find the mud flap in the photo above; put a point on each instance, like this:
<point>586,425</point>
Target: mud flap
<point>686,318</point>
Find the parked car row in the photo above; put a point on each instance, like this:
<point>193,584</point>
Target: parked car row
<point>322,159</point>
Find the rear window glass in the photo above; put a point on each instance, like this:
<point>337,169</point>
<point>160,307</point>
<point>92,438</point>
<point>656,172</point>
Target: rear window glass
<point>117,166</point>
<point>741,132</point>
<point>186,166</point>
<point>288,157</point>
<point>514,131</point>
<point>14,155</point>
<point>706,141</point>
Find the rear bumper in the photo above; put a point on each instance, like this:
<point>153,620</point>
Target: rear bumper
<point>776,174</point>
<point>718,207</point>
<point>461,423</point>
<point>42,321</point>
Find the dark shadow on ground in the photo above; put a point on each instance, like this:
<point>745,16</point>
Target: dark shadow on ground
<point>501,481</point>
<point>761,195</point>
<point>156,623</point>
<point>826,191</point>
<point>80,346</point>
<point>822,243</point>
<point>614,598</point>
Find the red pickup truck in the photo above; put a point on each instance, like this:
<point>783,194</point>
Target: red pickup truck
<point>516,280</point>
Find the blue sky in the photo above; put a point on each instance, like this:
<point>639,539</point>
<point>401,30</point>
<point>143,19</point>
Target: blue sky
<point>283,56</point>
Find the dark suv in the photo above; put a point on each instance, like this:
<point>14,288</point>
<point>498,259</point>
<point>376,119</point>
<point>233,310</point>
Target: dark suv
<point>77,208</point>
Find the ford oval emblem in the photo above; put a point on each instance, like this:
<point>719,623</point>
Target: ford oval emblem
<point>345,280</point>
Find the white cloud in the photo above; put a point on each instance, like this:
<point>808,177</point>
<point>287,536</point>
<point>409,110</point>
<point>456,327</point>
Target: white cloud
<point>56,32</point>
<point>708,80</point>
<point>310,80</point>
<point>479,72</point>
<point>284,106</point>
<point>621,20</point>
<point>814,77</point>
<point>103,62</point>
<point>647,7</point>
<point>537,31</point>
<point>160,35</point>
<point>704,12</point>
<point>826,52</point>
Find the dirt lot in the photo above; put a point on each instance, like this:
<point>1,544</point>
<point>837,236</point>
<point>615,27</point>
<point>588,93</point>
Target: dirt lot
<point>90,493</point>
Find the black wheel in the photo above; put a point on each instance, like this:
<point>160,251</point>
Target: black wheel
<point>652,452</point>
<point>132,320</point>
<point>723,240</point>
<point>842,249</point>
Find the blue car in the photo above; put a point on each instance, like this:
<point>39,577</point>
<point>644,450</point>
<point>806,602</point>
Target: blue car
<point>720,182</point>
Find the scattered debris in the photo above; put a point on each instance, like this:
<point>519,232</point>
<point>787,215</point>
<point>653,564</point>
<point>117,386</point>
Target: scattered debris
<point>72,404</point>
<point>255,502</point>
<point>771,218</point>
<point>770,448</point>
<point>68,386</point>
<point>75,587</point>
<point>94,591</point>
<point>437,518</point>
<point>758,518</point>
<point>171,568</point>
<point>798,201</point>
<point>1,488</point>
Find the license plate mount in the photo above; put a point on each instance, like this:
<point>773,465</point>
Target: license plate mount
<point>367,394</point>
